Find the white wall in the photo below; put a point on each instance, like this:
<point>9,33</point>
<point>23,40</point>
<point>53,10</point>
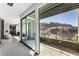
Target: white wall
<point>18,27</point>
<point>6,26</point>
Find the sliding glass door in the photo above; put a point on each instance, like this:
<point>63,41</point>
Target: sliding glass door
<point>28,30</point>
<point>24,31</point>
<point>30,21</point>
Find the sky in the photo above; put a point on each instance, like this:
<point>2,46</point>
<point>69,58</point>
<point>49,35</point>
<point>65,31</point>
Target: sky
<point>69,17</point>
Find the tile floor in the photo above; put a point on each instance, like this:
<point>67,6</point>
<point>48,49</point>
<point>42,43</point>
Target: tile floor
<point>13,47</point>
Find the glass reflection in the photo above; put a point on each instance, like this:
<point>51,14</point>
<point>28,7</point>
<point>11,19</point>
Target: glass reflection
<point>28,30</point>
<point>24,34</point>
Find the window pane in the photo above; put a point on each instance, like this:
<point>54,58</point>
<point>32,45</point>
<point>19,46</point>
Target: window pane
<point>63,26</point>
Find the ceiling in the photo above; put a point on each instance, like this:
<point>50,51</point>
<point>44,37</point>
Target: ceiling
<point>51,9</point>
<point>12,14</point>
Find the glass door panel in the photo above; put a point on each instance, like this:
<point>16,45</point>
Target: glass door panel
<point>30,20</point>
<point>28,30</point>
<point>24,34</point>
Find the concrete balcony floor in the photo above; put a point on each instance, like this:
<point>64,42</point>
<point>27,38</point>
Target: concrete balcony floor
<point>55,50</point>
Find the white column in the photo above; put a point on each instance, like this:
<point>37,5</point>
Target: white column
<point>37,31</point>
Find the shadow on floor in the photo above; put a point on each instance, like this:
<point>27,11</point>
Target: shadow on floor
<point>60,48</point>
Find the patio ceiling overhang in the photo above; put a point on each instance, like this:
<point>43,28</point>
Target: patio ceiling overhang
<point>51,9</point>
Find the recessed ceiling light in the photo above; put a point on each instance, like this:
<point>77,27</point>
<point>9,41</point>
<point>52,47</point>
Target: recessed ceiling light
<point>10,4</point>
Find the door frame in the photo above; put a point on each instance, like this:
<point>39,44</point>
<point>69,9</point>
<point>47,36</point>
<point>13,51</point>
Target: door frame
<point>37,45</point>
